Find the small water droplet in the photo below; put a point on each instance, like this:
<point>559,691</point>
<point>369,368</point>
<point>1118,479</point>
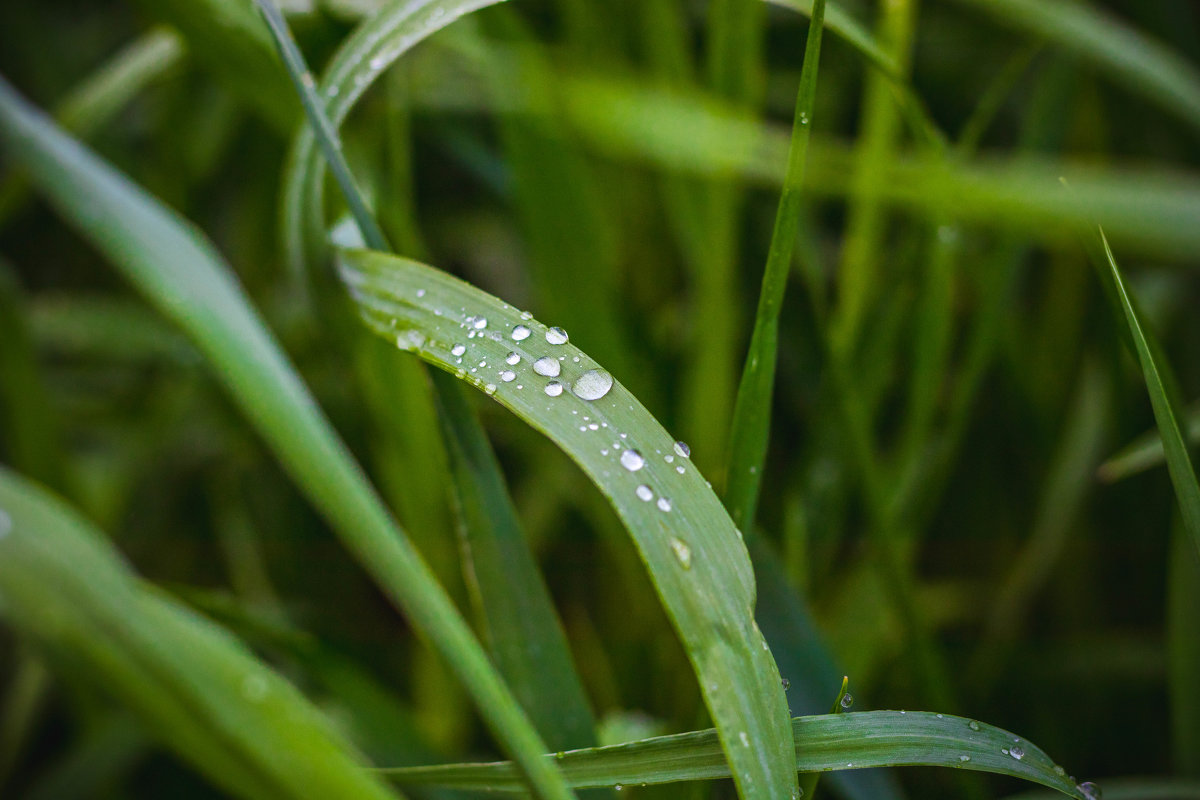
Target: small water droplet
<point>592,385</point>
<point>964,758</point>
<point>1016,752</point>
<point>508,375</point>
<point>480,323</point>
<point>254,688</point>
<point>847,700</point>
<point>679,469</point>
<point>645,493</point>
<point>554,388</point>
<point>632,460</point>
<point>1059,771</point>
<point>458,349</point>
<point>512,359</point>
<point>744,739</point>
<point>664,504</point>
<point>378,62</point>
<point>556,336</point>
<point>786,684</point>
<point>973,725</point>
<point>526,315</point>
<point>520,333</point>
<point>490,388</point>
<point>547,367</point>
<point>683,553</point>
<point>1090,790</point>
<point>939,716</point>
<point>682,449</point>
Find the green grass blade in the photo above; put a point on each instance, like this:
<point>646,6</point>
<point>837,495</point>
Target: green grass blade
<point>752,410</point>
<point>826,742</point>
<point>511,600</point>
<point>177,268</point>
<point>1145,452</point>
<point>1166,412</point>
<point>687,541</point>
<point>1146,67</point>
<point>202,693</point>
<point>523,632</point>
<point>1183,653</point>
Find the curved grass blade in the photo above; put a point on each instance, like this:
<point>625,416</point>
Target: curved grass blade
<point>525,637</point>
<point>752,410</point>
<point>692,550</point>
<point>179,271</point>
<point>202,693</point>
<point>1147,67</point>
<point>1158,383</point>
<point>1145,452</point>
<point>823,743</point>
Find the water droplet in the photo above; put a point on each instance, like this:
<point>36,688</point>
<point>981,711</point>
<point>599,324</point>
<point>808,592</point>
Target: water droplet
<point>479,323</point>
<point>679,469</point>
<point>547,366</point>
<point>458,350</point>
<point>254,688</point>
<point>645,493</point>
<point>520,333</point>
<point>632,460</point>
<point>964,758</point>
<point>1059,771</point>
<point>786,684</point>
<point>490,388</point>
<point>682,449</point>
<point>683,553</point>
<point>556,336</point>
<point>420,293</point>
<point>973,725</point>
<point>512,359</point>
<point>664,504</point>
<point>508,375</point>
<point>378,62</point>
<point>1016,752</point>
<point>847,700</point>
<point>554,388</point>
<point>1090,790</point>
<point>939,716</point>
<point>592,385</point>
<point>744,739</point>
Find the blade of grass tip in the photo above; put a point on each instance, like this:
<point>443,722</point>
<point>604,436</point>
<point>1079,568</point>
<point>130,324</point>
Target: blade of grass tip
<point>200,691</point>
<point>179,271</point>
<point>1145,452</point>
<point>752,409</point>
<point>808,784</point>
<point>1156,372</point>
<point>1144,65</point>
<point>683,534</point>
<point>523,630</point>
<point>824,743</point>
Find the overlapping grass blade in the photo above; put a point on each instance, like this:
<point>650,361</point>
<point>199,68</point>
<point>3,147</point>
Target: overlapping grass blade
<point>752,410</point>
<point>179,271</point>
<point>202,693</point>
<point>1160,385</point>
<point>521,627</point>
<point>690,546</point>
<point>1145,452</point>
<point>826,742</point>
<point>1147,67</point>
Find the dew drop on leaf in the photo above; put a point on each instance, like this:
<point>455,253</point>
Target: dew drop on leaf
<point>512,359</point>
<point>556,336</point>
<point>458,350</point>
<point>554,388</point>
<point>547,366</point>
<point>682,449</point>
<point>1090,790</point>
<point>520,333</point>
<point>632,460</point>
<point>592,385</point>
<point>664,504</point>
<point>508,375</point>
<point>847,700</point>
<point>645,493</point>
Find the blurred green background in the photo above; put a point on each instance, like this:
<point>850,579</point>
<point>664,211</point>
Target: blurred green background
<point>544,151</point>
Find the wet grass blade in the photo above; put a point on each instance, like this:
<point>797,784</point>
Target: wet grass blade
<point>202,693</point>
<point>522,630</point>
<point>689,545</point>
<point>752,410</point>
<point>826,742</point>
<point>179,271</point>
<point>1145,66</point>
<point>1158,384</point>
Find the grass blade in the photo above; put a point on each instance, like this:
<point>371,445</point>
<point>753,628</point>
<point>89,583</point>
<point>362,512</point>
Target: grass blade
<point>752,410</point>
<point>179,271</point>
<point>826,742</point>
<point>1166,412</point>
<point>245,727</point>
<point>1143,65</point>
<point>687,541</point>
<point>1145,452</point>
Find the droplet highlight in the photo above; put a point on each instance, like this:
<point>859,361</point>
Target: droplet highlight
<point>644,493</point>
<point>520,333</point>
<point>458,350</point>
<point>682,449</point>
<point>556,336</point>
<point>683,553</point>
<point>592,385</point>
<point>512,359</point>
<point>632,460</point>
<point>547,367</point>
<point>847,700</point>
<point>664,504</point>
<point>554,388</point>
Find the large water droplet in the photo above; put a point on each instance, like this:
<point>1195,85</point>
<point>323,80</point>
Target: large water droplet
<point>508,375</point>
<point>458,350</point>
<point>632,460</point>
<point>556,336</point>
<point>512,359</point>
<point>592,385</point>
<point>547,366</point>
<point>964,759</point>
<point>682,449</point>
<point>520,333</point>
<point>1017,752</point>
<point>683,553</point>
<point>1090,790</point>
<point>645,493</point>
<point>847,700</point>
<point>554,388</point>
<point>973,725</point>
<point>664,504</point>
